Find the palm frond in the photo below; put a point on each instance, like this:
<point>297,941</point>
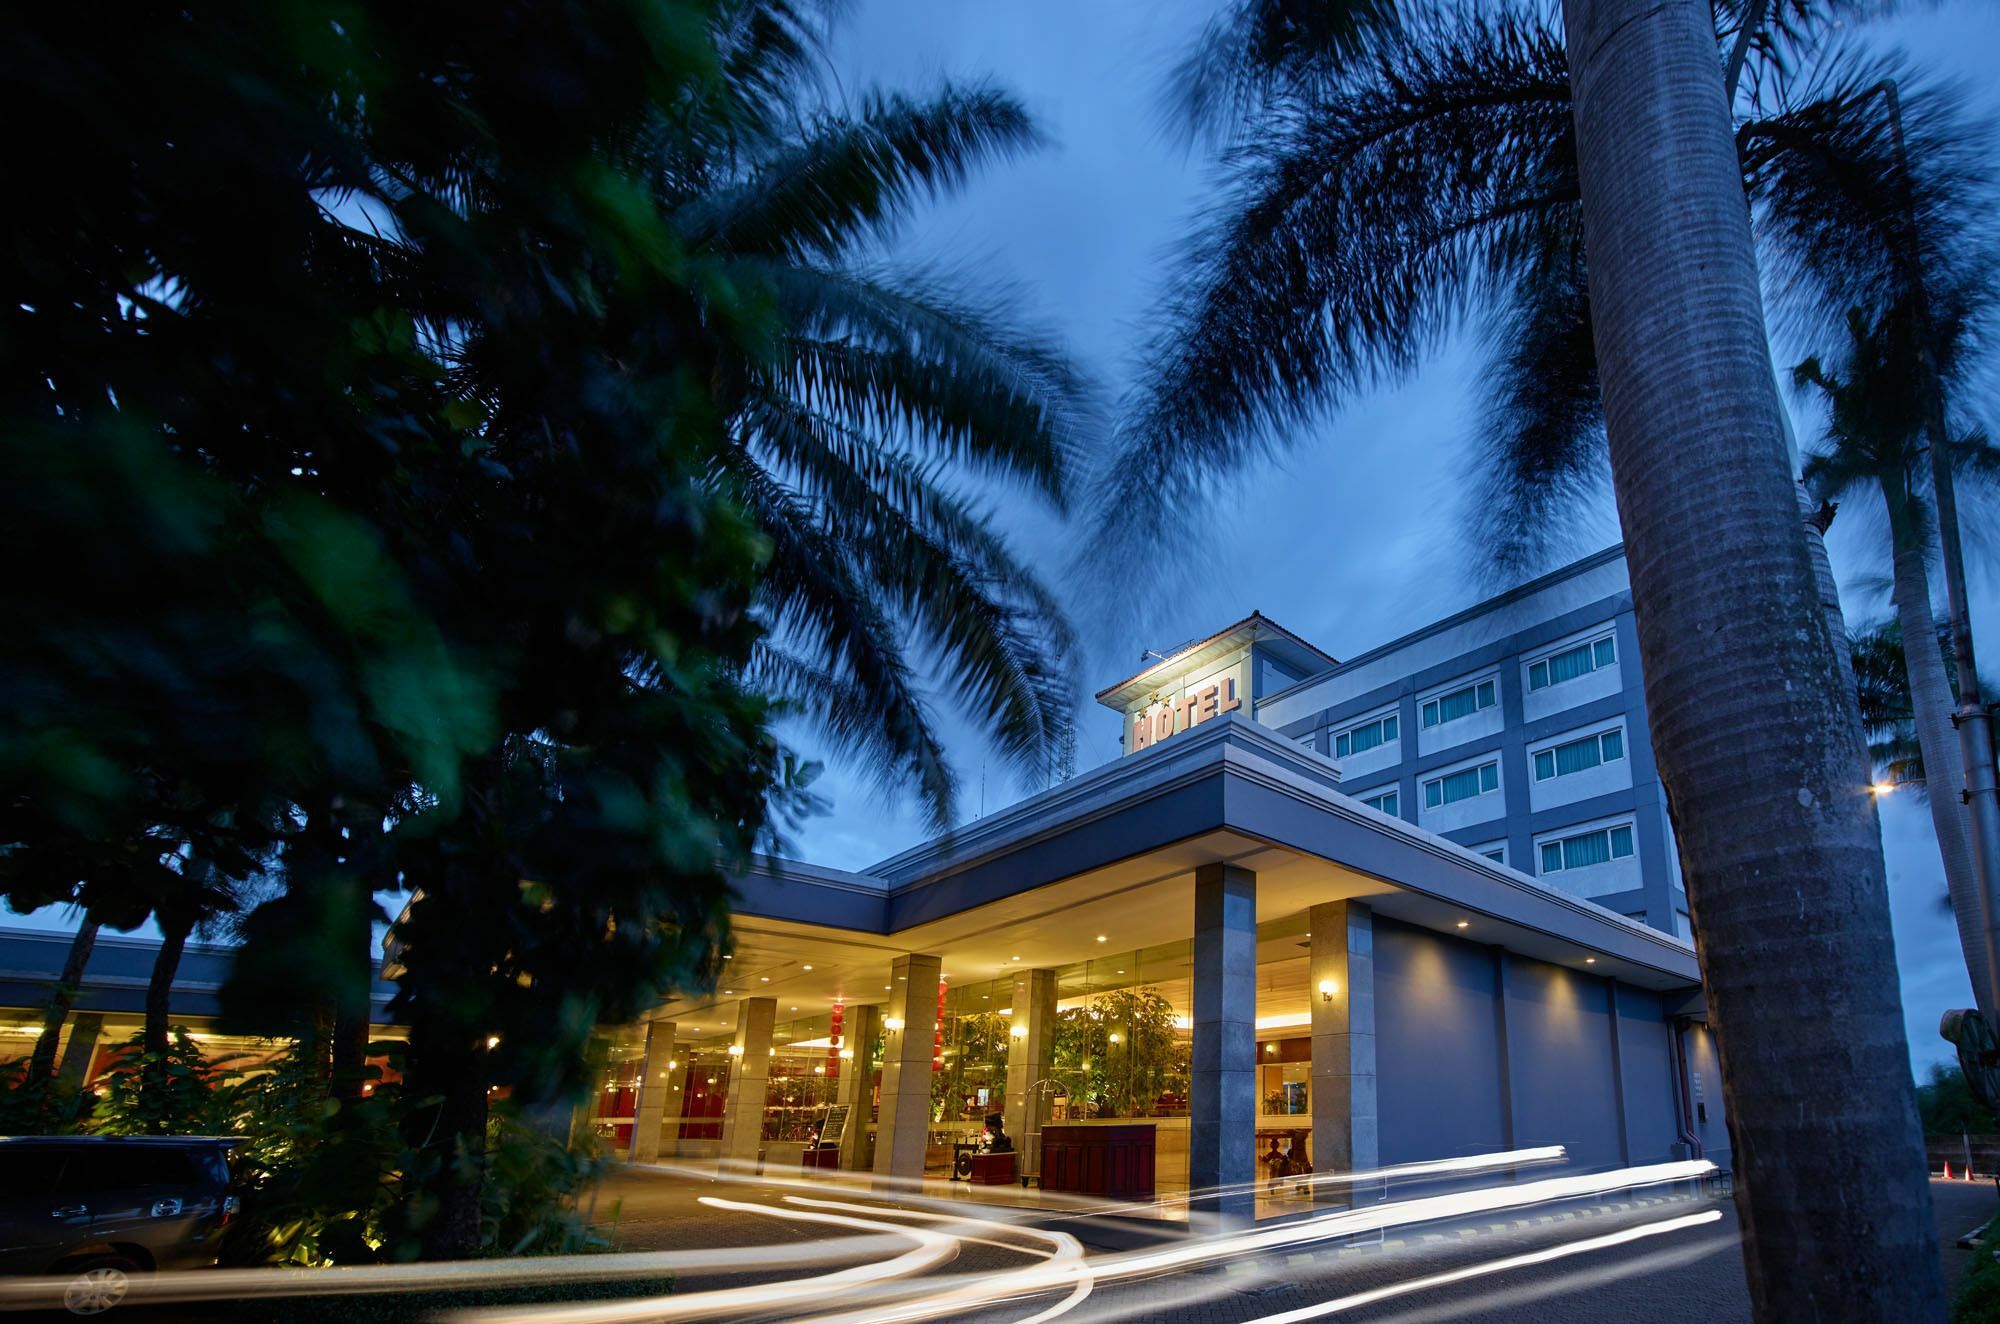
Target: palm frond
<point>1352,240</point>
<point>813,594</point>
<point>943,375</point>
<point>995,632</point>
<point>1256,51</point>
<point>1539,456</point>
<point>1842,226</point>
<point>855,176</point>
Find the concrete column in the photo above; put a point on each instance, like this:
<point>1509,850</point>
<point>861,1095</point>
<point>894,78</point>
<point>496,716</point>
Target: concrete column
<point>858,1029</point>
<point>659,1093</point>
<point>749,1068</point>
<point>911,1022</point>
<point>1222,1125</point>
<point>1029,1040</point>
<point>1340,984</point>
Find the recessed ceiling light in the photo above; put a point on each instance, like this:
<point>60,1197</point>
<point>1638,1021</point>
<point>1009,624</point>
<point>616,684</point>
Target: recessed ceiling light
<point>727,992</point>
<point>1590,960</point>
<point>1017,958</point>
<point>808,967</point>
<point>1121,972</point>
<point>1102,938</point>
<point>902,979</point>
<point>795,1009</point>
<point>887,987</point>
<point>1465,924</point>
<point>728,958</point>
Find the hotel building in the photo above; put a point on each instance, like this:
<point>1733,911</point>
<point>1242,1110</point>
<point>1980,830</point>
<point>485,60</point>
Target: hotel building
<point>1416,904</point>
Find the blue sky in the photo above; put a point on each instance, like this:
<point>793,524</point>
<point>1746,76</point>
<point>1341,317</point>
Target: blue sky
<point>1356,538</point>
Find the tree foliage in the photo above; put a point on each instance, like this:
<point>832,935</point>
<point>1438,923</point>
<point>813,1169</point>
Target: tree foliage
<point>1394,177</point>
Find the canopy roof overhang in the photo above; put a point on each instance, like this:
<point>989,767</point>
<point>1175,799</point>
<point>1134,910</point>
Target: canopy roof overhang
<point>1114,853</point>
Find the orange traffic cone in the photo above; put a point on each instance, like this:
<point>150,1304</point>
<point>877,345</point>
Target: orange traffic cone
<point>1947,1170</point>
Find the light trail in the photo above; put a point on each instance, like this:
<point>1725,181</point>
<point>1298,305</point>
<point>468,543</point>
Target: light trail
<point>45,1291</point>
<point>932,1249</point>
<point>1066,1253</point>
<point>1511,1262</point>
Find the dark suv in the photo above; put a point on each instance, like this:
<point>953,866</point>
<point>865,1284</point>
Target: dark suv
<point>98,1209</point>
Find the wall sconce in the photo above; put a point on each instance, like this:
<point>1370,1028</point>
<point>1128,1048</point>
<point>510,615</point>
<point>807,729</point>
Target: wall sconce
<point>1018,1031</point>
<point>892,1023</point>
<point>1327,988</point>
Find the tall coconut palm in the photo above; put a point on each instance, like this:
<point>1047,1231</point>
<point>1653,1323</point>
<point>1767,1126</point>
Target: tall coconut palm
<point>1874,442</point>
<point>1759,748</point>
<point>892,404</point>
<point>1378,197</point>
<point>1388,194</point>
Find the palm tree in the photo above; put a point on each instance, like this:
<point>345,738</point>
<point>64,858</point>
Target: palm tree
<point>1874,440</point>
<point>890,405</point>
<point>1888,710</point>
<point>1888,716</point>
<point>1383,194</point>
<point>1393,190</point>
<point>1759,748</point>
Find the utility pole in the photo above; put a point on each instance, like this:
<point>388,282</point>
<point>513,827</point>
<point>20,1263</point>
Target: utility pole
<point>1981,793</point>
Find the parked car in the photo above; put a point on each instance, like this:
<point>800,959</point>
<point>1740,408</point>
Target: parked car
<point>100,1209</point>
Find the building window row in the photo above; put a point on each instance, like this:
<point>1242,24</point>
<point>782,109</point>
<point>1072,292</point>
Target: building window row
<point>1356,739</point>
<point>1587,848</point>
<point>1580,755</point>
<point>1570,663</point>
<point>1459,703</point>
<point>1462,785</point>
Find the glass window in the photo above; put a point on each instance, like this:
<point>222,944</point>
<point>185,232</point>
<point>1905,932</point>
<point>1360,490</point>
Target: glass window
<point>1579,755</point>
<point>29,1171</point>
<point>1462,785</point>
<point>1498,854</point>
<point>1385,803</point>
<point>1459,703</point>
<point>1366,736</point>
<point>1587,848</point>
<point>1570,663</point>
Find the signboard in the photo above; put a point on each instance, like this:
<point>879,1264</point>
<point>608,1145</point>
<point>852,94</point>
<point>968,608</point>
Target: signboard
<point>834,1129</point>
<point>1152,725</point>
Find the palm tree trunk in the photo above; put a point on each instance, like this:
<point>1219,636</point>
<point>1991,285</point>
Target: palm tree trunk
<point>42,1062</point>
<point>1931,704</point>
<point>1758,745</point>
<point>174,930</point>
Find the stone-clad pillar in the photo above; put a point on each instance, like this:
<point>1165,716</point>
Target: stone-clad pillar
<point>1341,986</point>
<point>1029,1039</point>
<point>858,1029</point>
<point>1222,1124</point>
<point>659,1092</point>
<point>911,1022</point>
<point>749,1068</point>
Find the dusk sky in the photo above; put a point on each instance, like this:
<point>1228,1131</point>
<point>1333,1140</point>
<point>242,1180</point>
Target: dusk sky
<point>1356,539</point>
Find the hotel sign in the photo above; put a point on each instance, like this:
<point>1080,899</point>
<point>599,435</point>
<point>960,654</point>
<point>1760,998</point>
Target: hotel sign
<point>1152,725</point>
